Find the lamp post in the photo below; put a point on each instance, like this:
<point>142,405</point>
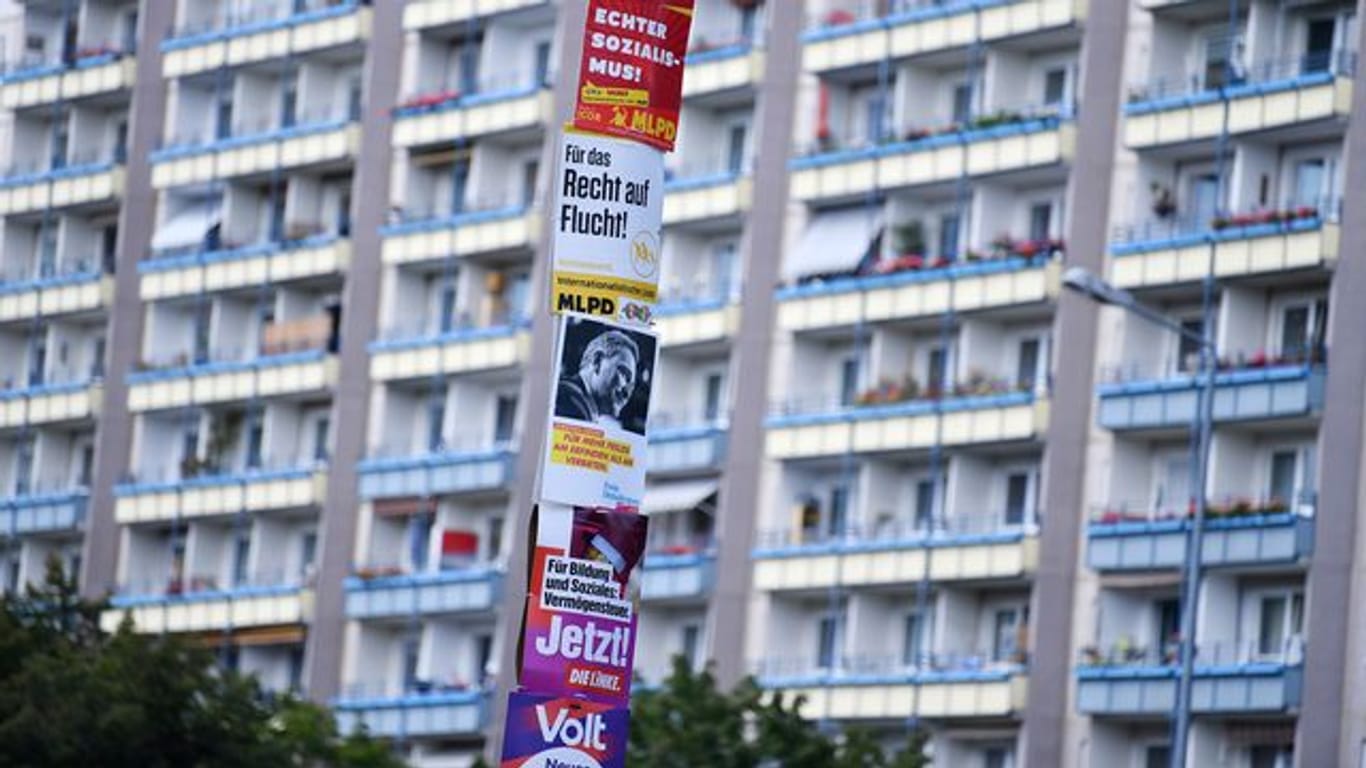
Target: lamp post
<point>1083,282</point>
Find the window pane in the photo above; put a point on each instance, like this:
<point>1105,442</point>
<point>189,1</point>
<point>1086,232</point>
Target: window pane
<point>1017,497</point>
<point>1027,371</point>
<point>849,381</point>
<point>1004,646</point>
<point>1271,626</point>
<point>924,503</point>
<point>948,235</point>
<point>1282,486</point>
<point>1309,176</point>
<point>1040,221</point>
<point>962,103</point>
<point>1054,86</point>
<point>1294,330</point>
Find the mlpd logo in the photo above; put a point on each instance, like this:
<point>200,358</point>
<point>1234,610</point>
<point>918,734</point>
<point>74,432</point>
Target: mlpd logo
<point>645,254</point>
<point>632,312</point>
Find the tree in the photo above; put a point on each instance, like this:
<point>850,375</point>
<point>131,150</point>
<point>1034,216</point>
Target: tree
<point>73,695</point>
<point>688,722</point>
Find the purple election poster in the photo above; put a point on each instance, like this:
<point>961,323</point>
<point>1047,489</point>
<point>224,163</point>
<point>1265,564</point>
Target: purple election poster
<point>547,731</point>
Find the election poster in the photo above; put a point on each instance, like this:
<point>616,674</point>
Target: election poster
<point>579,631</point>
<point>631,73</point>
<point>596,450</point>
<point>609,207</point>
<point>547,731</point>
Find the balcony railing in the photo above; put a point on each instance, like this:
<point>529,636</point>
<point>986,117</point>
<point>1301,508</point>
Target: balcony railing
<point>927,667</point>
<point>38,277</point>
<point>425,711</point>
<point>1247,393</point>
<point>1124,657</point>
<point>248,18</point>
<point>203,588</point>
<point>868,16</point>
<point>1180,231</point>
<point>452,466</point>
<point>411,219</point>
<point>207,473</point>
<point>76,164</point>
<point>461,330</point>
<point>86,56</point>
<point>1267,76</point>
<point>677,575</point>
<point>378,592</point>
<point>828,150</point>
<point>903,397</point>
<point>310,123</point>
<point>180,258</point>
<point>40,511</point>
<point>502,87</point>
<point>954,531</point>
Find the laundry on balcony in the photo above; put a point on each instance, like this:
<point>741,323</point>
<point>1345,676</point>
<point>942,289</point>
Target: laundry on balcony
<point>683,496</point>
<point>309,333</point>
<point>835,244</point>
<point>195,228</point>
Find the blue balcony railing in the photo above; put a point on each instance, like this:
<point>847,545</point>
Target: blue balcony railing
<point>326,121</point>
<point>451,469</point>
<point>923,669</point>
<point>182,259</point>
<point>1186,231</point>
<point>43,512</point>
<point>414,715</point>
<point>453,591</point>
<point>179,370</point>
<point>1278,535</point>
<point>956,531</point>
<point>826,410</point>
<point>678,577</point>
<point>896,13</point>
<point>414,222</point>
<point>1048,120</point>
<point>247,19</point>
<point>173,592</point>
<point>1240,395</point>
<point>1268,76</point>
<point>1229,679</point>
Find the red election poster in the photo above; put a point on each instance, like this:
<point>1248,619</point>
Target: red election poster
<point>631,75</point>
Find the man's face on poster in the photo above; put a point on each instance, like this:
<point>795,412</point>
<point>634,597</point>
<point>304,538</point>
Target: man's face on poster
<point>611,378</point>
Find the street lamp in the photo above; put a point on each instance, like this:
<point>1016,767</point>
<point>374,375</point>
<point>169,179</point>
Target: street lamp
<point>1083,282</point>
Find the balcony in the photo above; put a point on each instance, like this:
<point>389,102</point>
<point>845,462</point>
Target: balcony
<point>450,471</point>
<point>802,432</point>
<point>1238,533</point>
<point>423,14</point>
<point>964,550</point>
<point>1138,683</point>
<point>210,610</point>
<point>95,71</point>
<point>166,276</point>
<point>262,33</point>
<point>1246,245</point>
<point>885,689</point>
<point>922,290</point>
<point>45,404</point>
<point>297,486</point>
<point>1287,391</point>
<point>495,108</point>
<point>416,715</point>
<point>991,145</point>
<point>82,289</point>
<point>426,594</point>
<point>423,238</point>
<point>678,577</point>
<point>42,513</point>
<point>310,372</point>
<point>722,69</point>
<point>407,357</point>
<point>1272,95</point>
<point>843,40</point>
<point>698,198</point>
<point>706,313</point>
<point>83,183</point>
<point>320,140</point>
<point>685,444</point>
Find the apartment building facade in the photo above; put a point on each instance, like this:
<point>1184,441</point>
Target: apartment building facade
<point>272,298</point>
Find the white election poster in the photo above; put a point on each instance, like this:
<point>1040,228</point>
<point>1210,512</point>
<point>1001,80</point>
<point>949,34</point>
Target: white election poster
<point>595,455</point>
<point>609,206</point>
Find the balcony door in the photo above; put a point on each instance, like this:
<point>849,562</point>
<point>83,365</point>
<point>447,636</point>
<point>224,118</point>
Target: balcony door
<point>1280,622</point>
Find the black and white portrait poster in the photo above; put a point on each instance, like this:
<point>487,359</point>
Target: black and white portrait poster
<point>604,376</point>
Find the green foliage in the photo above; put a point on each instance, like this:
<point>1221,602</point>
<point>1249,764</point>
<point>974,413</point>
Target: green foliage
<point>72,695</point>
<point>688,722</point>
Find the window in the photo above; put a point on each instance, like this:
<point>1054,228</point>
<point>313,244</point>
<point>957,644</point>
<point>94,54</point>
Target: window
<point>446,300</point>
<point>541,64</point>
<point>321,428</point>
<point>344,213</point>
<point>1319,35</point>
<point>962,104</point>
<point>23,467</point>
<point>722,269</point>
<point>495,537</point>
<point>749,17</point>
<point>828,641</point>
<point>121,141</point>
<point>735,148</point>
<point>1221,51</point>
<point>61,139</point>
<point>419,535</point>
<point>1017,498</point>
<point>692,635</point>
<point>308,553</point>
<point>1157,756</point>
<point>1310,188</point>
<point>189,445</point>
<point>530,169</point>
<point>998,757</point>
<point>1279,620</point>
<point>1040,221</point>
<point>1027,365</point>
<point>97,353</point>
<point>1174,493</point>
<point>849,380</point>
<point>203,314</point>
<point>409,662</point>
<point>949,229</point>
<point>1271,756</point>
<point>469,68</point>
<point>255,436</point>
<point>504,419</point>
<point>289,99</point>
<point>1187,348</point>
<point>1055,87</point>
<point>711,398</point>
<point>1168,629</point>
<point>913,641</point>
<point>296,668</point>
<point>47,250</point>
<point>12,577</point>
<point>460,177</point>
<point>839,510</point>
<point>483,657</point>
<point>37,361</point>
<point>241,557</point>
<point>130,31</point>
<point>1302,328</point>
<point>1283,483</point>
<point>1007,625</point>
<point>875,117</point>
<point>924,504</point>
<point>1204,197</point>
<point>109,248</point>
<point>85,475</point>
<point>223,116</point>
<point>436,425</point>
<point>936,369</point>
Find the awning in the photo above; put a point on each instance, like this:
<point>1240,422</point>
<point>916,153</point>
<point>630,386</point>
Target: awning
<point>834,241</point>
<point>677,497</point>
<point>188,228</point>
